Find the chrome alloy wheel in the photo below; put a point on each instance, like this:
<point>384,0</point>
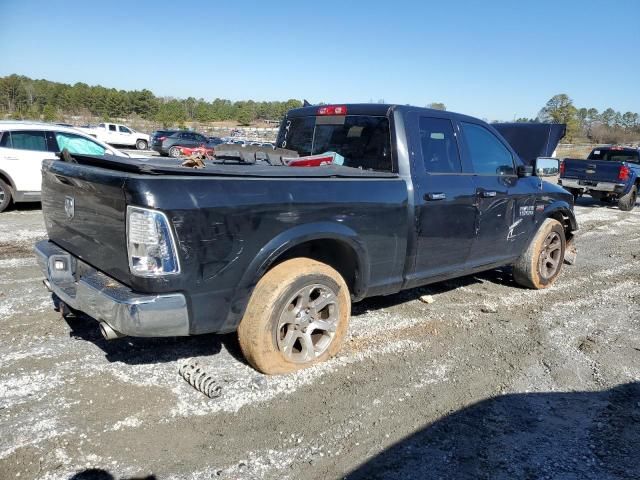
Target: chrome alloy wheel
<point>550,256</point>
<point>308,323</point>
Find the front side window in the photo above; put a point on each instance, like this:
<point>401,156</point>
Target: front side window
<point>124,129</point>
<point>34,140</point>
<point>439,146</point>
<point>363,141</point>
<point>488,155</point>
<point>77,144</point>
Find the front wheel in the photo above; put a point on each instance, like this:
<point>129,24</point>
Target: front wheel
<point>539,266</point>
<point>628,201</point>
<point>297,316</point>
<point>142,145</point>
<point>5,196</point>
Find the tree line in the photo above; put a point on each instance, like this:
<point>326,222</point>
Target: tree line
<point>25,98</point>
<point>608,126</point>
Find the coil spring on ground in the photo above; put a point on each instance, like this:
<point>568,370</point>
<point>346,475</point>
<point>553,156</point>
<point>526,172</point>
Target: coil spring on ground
<point>198,378</point>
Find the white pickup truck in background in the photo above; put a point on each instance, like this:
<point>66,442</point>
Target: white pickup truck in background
<point>116,134</point>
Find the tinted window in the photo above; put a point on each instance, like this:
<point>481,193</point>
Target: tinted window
<point>201,138</point>
<point>439,146</point>
<point>124,129</point>
<point>614,155</point>
<point>77,144</point>
<point>5,139</point>
<point>363,141</point>
<point>488,155</point>
<point>29,140</point>
<point>112,127</point>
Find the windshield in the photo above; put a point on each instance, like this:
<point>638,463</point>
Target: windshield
<point>613,155</point>
<point>362,140</point>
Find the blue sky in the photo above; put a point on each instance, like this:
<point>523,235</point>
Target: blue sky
<point>490,59</point>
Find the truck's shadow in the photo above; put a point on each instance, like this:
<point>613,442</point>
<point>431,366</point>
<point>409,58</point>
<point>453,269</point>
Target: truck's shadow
<point>137,351</point>
<point>588,201</point>
<point>590,435</point>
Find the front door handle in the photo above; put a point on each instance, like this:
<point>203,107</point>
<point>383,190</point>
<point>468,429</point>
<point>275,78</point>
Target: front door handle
<point>487,193</point>
<point>433,196</point>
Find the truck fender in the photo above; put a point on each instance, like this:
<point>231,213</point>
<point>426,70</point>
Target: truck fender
<point>283,242</point>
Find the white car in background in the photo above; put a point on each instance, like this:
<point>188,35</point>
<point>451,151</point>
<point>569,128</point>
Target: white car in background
<point>23,146</point>
<point>117,134</point>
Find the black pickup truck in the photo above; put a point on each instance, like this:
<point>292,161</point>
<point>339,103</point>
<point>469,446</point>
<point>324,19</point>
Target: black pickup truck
<point>278,253</point>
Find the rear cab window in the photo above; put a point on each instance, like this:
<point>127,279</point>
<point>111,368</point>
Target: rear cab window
<point>360,141</point>
<point>615,155</point>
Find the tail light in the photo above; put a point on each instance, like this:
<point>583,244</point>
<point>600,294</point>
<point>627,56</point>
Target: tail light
<point>624,173</point>
<point>561,168</point>
<point>150,243</point>
<point>162,139</point>
<point>332,110</point>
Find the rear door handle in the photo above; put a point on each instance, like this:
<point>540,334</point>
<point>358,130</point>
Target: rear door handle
<point>431,197</point>
<point>487,193</point>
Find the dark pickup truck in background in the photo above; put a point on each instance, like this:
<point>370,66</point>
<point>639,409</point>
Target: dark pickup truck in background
<point>609,174</point>
<point>278,253</point>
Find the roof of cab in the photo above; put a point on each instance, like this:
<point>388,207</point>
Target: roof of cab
<point>376,109</point>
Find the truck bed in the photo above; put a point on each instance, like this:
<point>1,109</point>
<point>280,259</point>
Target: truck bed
<point>171,166</point>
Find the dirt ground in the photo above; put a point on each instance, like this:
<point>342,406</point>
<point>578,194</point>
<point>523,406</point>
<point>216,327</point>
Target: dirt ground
<point>488,381</point>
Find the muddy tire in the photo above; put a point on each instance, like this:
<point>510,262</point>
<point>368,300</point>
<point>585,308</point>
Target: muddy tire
<point>628,201</point>
<point>539,266</point>
<point>5,196</point>
<point>297,316</point>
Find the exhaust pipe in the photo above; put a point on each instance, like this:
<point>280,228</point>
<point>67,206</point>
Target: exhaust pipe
<point>109,333</point>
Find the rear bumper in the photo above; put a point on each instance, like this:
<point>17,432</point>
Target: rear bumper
<point>599,186</point>
<point>86,289</point>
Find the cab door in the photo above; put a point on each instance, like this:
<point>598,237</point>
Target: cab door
<point>494,177</point>
<point>444,199</point>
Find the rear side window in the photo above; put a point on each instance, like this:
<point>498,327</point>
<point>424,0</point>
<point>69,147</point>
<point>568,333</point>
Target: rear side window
<point>112,128</point>
<point>363,141</point>
<point>488,155</point>
<point>439,146</point>
<point>34,140</point>
<point>77,144</point>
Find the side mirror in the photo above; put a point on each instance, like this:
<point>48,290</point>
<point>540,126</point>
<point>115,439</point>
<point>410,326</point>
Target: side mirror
<point>525,170</point>
<point>547,167</point>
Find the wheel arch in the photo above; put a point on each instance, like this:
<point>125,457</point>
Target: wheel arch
<point>7,179</point>
<point>562,212</point>
<point>329,242</point>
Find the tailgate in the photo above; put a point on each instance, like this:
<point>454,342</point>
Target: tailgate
<point>84,209</point>
<point>595,170</point>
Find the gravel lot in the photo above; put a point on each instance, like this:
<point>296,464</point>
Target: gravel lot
<point>545,385</point>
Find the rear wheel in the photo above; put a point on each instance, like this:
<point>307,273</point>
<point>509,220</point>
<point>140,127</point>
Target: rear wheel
<point>5,196</point>
<point>142,145</point>
<point>628,201</point>
<point>297,316</point>
<point>175,152</point>
<point>539,266</point>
